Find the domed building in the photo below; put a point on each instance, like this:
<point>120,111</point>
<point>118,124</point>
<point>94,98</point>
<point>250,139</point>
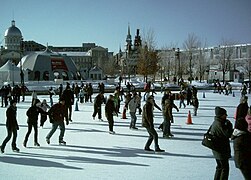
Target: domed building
<point>11,51</point>
<point>48,65</point>
<point>13,37</point>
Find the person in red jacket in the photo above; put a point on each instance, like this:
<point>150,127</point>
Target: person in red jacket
<point>12,126</point>
<point>57,114</point>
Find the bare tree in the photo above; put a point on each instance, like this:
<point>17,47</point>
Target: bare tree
<point>148,56</point>
<point>191,44</point>
<point>226,53</point>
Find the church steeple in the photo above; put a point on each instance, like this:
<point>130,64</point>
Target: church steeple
<point>128,40</point>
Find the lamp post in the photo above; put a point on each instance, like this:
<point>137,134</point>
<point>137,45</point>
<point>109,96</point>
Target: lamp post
<point>13,74</point>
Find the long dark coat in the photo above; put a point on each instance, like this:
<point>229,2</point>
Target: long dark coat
<point>223,129</point>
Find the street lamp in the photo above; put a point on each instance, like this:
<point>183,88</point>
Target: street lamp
<point>13,73</point>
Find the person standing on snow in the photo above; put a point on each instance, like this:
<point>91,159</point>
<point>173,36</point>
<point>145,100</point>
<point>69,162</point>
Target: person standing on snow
<point>147,122</point>
<point>44,106</point>
<point>99,99</point>
<point>242,138</point>
<point>57,114</point>
<point>222,128</point>
<point>132,106</point>
<point>32,114</point>
<point>12,126</point>
<point>109,110</point>
<point>68,96</point>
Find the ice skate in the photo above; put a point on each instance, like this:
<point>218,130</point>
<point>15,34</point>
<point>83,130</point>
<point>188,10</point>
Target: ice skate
<point>159,150</point>
<point>15,149</point>
<point>61,142</point>
<point>111,132</point>
<point>48,140</point>
<point>36,144</point>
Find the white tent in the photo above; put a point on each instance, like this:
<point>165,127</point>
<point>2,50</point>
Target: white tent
<point>9,72</point>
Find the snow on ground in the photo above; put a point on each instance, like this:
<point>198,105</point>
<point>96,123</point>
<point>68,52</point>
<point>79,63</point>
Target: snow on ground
<point>92,153</point>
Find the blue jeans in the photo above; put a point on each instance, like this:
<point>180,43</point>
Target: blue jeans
<point>133,119</point>
<point>54,128</point>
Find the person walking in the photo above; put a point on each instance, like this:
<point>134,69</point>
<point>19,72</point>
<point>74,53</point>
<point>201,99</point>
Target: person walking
<point>32,114</point>
<point>132,106</point>
<point>11,126</point>
<point>167,115</point>
<point>147,122</point>
<point>57,114</point>
<point>242,139</point>
<point>51,93</point>
<point>182,99</point>
<point>222,128</point>
<point>109,111</point>
<point>44,106</point>
<point>195,103</point>
<point>99,99</point>
<point>68,96</point>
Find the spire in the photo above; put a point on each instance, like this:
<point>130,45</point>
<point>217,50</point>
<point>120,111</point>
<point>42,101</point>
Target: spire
<point>128,40</point>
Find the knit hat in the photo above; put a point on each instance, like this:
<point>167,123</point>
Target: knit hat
<point>220,111</point>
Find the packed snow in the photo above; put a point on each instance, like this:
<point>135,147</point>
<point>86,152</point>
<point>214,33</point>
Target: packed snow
<point>92,153</point>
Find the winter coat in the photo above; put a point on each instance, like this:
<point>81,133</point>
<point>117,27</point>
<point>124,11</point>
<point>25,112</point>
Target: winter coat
<point>33,113</point>
<point>242,151</point>
<point>167,108</point>
<point>222,129</point>
<point>68,96</point>
<point>57,113</point>
<point>11,121</point>
<point>99,99</point>
<point>109,108</point>
<point>147,115</point>
<point>133,104</point>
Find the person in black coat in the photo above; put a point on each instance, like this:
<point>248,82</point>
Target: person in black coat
<point>241,112</point>
<point>222,129</point>
<point>68,96</point>
<point>12,126</point>
<point>242,140</point>
<point>32,114</point>
<point>99,99</point>
<point>147,122</point>
<point>109,110</point>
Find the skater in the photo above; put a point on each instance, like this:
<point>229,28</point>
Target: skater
<point>147,122</point>
<point>222,128</point>
<point>242,139</point>
<point>68,96</point>
<point>132,105</point>
<point>167,115</point>
<point>99,99</point>
<point>182,99</point>
<point>195,103</point>
<point>57,114</point>
<point>11,126</point>
<point>51,93</point>
<point>32,114</point>
<point>44,106</point>
<point>109,111</point>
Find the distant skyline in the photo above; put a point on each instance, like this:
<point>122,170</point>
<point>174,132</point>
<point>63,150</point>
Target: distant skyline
<point>105,22</point>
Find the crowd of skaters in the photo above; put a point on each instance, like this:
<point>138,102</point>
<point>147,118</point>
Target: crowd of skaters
<point>62,111</point>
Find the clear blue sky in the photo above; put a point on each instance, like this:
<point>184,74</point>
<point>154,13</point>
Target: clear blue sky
<point>105,22</point>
